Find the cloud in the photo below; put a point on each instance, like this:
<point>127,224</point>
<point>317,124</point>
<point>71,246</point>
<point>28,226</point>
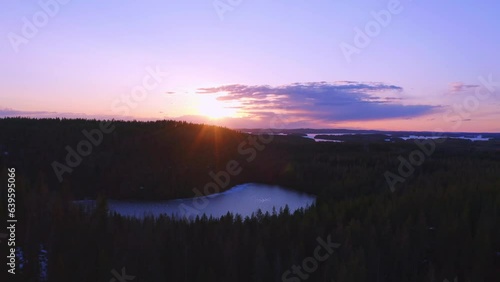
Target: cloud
<point>456,87</point>
<point>9,112</point>
<point>299,105</point>
<point>320,102</point>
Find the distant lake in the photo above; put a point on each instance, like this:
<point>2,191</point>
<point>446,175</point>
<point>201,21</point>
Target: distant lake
<point>242,199</point>
<point>410,137</point>
<point>471,138</point>
<point>313,136</point>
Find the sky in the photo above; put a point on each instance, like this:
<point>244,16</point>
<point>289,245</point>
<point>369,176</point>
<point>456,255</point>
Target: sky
<point>385,64</point>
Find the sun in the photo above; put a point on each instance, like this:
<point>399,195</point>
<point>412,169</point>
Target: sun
<point>212,108</point>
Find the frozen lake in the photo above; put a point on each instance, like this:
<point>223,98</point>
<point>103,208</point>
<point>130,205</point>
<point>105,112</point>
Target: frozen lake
<point>242,199</point>
<point>471,138</point>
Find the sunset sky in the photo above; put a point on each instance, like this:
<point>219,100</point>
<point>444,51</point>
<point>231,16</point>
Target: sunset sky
<point>422,65</point>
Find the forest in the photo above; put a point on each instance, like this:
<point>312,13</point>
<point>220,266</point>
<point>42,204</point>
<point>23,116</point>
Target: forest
<point>442,222</point>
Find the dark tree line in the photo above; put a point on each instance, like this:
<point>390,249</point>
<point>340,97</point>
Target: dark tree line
<point>442,222</point>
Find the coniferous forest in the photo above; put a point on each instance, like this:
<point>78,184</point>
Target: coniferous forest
<point>440,221</point>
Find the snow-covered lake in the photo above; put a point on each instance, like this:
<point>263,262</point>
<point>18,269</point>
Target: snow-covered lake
<point>410,137</point>
<point>242,199</point>
<point>313,135</point>
<point>471,138</point>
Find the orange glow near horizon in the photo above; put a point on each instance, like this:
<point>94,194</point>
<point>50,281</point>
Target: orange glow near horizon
<point>212,108</point>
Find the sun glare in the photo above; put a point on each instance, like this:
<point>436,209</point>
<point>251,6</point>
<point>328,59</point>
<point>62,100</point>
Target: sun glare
<point>210,107</point>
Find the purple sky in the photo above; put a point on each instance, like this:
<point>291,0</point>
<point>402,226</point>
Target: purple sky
<point>403,65</point>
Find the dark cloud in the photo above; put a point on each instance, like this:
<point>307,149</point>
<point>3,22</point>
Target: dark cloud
<point>9,112</point>
<point>321,101</point>
<point>456,87</point>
